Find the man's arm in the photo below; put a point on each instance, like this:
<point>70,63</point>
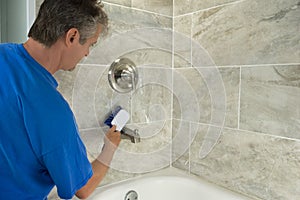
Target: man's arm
<point>101,164</point>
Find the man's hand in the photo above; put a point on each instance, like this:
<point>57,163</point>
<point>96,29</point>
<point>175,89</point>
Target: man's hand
<point>112,140</point>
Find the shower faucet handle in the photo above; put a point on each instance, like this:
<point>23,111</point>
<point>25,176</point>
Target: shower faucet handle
<point>123,75</point>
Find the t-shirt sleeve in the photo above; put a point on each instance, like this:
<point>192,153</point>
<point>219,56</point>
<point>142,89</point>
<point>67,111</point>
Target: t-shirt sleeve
<point>69,168</point>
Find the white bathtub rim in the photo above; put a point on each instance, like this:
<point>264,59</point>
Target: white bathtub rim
<point>167,173</point>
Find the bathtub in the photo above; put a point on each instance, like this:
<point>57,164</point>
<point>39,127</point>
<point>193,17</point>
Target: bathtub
<point>170,184</point>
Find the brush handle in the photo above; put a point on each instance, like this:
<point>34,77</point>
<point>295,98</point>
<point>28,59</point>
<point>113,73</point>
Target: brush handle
<point>112,115</point>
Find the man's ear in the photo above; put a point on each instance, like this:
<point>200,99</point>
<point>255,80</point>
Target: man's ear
<point>72,36</point>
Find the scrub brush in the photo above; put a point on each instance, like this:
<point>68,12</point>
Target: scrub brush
<point>119,117</point>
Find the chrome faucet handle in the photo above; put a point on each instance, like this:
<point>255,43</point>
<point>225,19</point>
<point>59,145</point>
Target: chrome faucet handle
<point>123,75</point>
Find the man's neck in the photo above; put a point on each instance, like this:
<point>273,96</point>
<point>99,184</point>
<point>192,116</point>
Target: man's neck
<point>48,57</point>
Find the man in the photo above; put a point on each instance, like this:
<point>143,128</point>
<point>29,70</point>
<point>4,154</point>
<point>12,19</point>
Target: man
<point>40,145</point>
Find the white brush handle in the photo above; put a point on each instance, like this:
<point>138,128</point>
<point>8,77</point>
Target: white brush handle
<point>120,119</point>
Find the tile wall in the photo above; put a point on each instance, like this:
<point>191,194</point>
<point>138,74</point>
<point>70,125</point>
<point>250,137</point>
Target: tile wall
<point>255,46</point>
<point>222,74</point>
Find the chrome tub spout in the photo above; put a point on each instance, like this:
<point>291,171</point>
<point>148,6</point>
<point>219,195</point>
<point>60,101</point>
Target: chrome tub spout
<point>132,135</point>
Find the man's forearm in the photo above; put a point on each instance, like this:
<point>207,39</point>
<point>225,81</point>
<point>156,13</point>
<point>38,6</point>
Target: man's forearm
<point>101,164</point>
<point>99,171</point>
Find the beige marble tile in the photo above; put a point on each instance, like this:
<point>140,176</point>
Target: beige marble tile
<point>93,99</point>
<point>114,176</point>
<point>231,78</point>
<point>250,32</point>
<point>193,96</point>
<point>250,163</point>
<point>118,43</point>
<point>190,93</point>
<point>270,100</point>
<point>152,100</point>
<point>182,41</point>
<point>90,107</point>
<point>285,178</point>
<point>151,154</point>
<point>66,80</point>
<point>107,99</point>
<point>93,141</point>
<point>138,42</point>
<point>151,57</point>
<point>183,135</point>
<point>180,144</point>
<point>125,19</point>
<point>130,31</point>
<point>164,7</point>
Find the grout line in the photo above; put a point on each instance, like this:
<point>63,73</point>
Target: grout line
<point>190,144</point>
<point>206,9</point>
<point>239,99</point>
<point>189,67</point>
<point>89,129</point>
<point>138,9</point>
<point>242,130</point>
<point>97,65</point>
<point>172,82</point>
<point>265,134</point>
<point>243,66</point>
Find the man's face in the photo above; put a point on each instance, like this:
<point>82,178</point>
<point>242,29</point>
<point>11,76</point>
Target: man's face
<point>77,51</point>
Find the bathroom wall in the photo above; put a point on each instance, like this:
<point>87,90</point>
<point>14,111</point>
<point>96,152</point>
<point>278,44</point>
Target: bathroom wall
<point>255,47</point>
<point>218,93</point>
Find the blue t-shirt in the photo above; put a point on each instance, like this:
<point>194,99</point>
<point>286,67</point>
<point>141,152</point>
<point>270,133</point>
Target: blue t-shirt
<point>39,142</point>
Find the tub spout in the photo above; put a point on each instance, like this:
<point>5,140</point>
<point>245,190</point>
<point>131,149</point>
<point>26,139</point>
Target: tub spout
<point>131,135</point>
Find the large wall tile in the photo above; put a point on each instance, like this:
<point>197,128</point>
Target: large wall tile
<point>270,100</point>
<point>92,96</point>
<point>93,141</point>
<point>125,19</point>
<point>152,153</point>
<point>250,32</point>
<point>151,57</point>
<point>250,163</point>
<point>193,95</point>
<point>131,31</point>
<point>152,100</point>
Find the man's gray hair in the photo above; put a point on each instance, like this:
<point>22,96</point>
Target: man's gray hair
<point>56,17</point>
